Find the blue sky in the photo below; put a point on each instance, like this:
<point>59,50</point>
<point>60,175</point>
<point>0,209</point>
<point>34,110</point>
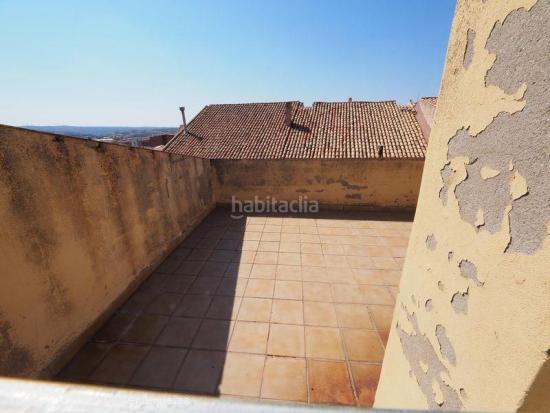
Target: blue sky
<point>119,63</point>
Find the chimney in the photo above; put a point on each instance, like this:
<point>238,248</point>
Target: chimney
<point>380,151</point>
<point>182,110</point>
<point>288,114</point>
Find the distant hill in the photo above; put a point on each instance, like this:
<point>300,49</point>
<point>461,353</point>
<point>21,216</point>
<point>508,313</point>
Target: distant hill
<point>98,132</point>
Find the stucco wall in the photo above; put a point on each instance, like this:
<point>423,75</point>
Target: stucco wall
<point>81,223</point>
<point>471,327</point>
<point>335,183</point>
<point>424,115</point>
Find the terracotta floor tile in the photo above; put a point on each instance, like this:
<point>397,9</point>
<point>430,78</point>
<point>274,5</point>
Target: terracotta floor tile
<point>289,247</point>
<point>311,248</point>
<point>179,332</point>
<point>145,329</point>
<point>376,294</point>
<point>290,229</point>
<point>224,308</point>
<point>310,238</point>
<point>382,316</point>
<point>290,290</point>
<point>193,305</point>
<point>397,241</point>
<point>287,312</point>
<point>313,260</point>
<point>285,379</point>
<point>255,309</point>
<point>289,272</point>
<point>385,263</point>
<point>353,316</point>
<point>347,293</point>
<point>265,271</point>
<point>119,364</point>
<point>178,283</point>
<point>243,257</point>
<point>254,227</point>
<point>340,275</point>
<point>272,228</point>
<point>249,337</point>
<point>329,382</point>
<point>271,236</point>
<point>222,256</point>
<point>205,285</point>
<point>259,288</point>
<point>363,345</point>
<point>137,303</point>
<point>365,378</point>
<point>377,277</point>
<point>319,314</point>
<point>331,249</point>
<point>315,274</point>
<point>263,257</point>
<point>159,368</point>
<point>233,287</point>
<point>289,258</point>
<point>308,228</point>
<point>114,328</point>
<point>286,340</point>
<point>213,335</point>
<point>314,291</point>
<point>399,252</point>
<point>213,269</point>
<point>228,244</point>
<point>242,375</point>
<point>290,237</point>
<point>200,254</point>
<point>238,270</point>
<point>250,245</point>
<point>201,372</point>
<point>86,361</point>
<point>324,342</point>
<point>338,261</point>
<point>164,304</point>
<point>190,267</point>
<point>356,261</point>
<point>272,246</point>
<point>384,336</point>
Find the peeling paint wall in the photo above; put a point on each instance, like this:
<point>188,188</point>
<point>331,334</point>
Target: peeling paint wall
<point>82,223</point>
<point>333,183</point>
<point>476,336</point>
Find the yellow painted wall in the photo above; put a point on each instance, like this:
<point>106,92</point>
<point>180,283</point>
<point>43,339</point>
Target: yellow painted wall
<point>471,327</point>
<point>340,182</point>
<point>81,224</point>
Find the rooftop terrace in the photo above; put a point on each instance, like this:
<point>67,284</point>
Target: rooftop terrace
<point>279,307</point>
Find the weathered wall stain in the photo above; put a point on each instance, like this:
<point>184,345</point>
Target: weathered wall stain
<point>431,242</point>
<point>469,49</point>
<point>427,368</point>
<point>469,270</point>
<point>14,360</point>
<point>521,61</point>
<point>82,223</point>
<point>459,302</point>
<point>445,347</point>
<point>341,182</point>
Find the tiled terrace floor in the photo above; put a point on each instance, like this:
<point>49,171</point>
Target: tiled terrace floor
<point>276,307</point>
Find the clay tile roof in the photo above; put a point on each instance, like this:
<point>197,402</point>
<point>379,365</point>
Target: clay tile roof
<point>432,100</point>
<point>323,131</point>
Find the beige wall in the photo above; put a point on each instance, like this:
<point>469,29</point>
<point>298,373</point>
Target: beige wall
<point>81,223</point>
<point>341,182</point>
<point>471,327</point>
